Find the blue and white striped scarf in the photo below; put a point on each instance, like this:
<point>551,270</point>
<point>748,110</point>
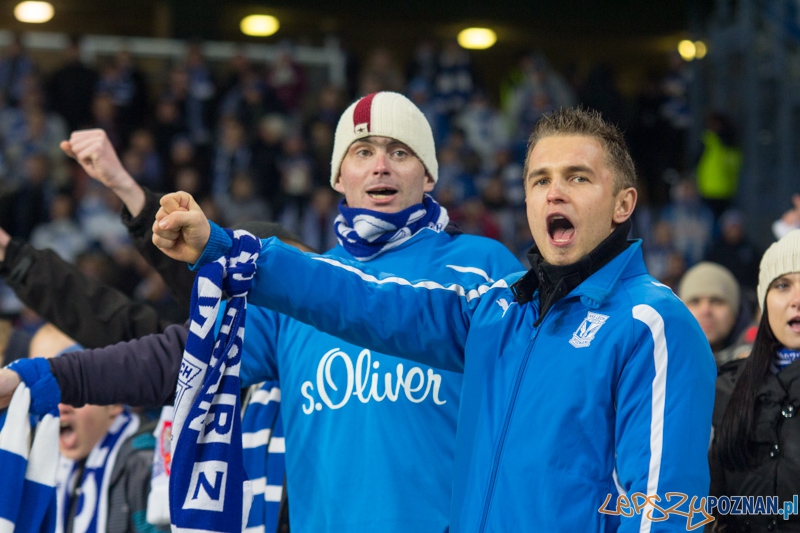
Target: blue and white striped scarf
<point>785,357</point>
<point>264,459</point>
<point>28,476</point>
<point>366,234</point>
<point>263,455</point>
<point>208,487</point>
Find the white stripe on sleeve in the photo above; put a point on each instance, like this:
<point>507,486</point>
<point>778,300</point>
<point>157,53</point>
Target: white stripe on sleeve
<point>654,321</point>
<point>471,270</point>
<point>430,285</point>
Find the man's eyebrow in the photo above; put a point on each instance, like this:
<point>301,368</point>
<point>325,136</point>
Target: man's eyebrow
<point>579,168</point>
<point>572,169</point>
<point>535,173</point>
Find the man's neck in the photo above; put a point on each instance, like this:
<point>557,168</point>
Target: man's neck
<point>556,281</point>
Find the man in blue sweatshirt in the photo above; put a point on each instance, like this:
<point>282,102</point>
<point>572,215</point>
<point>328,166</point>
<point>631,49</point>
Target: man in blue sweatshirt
<point>588,386</point>
<point>370,439</point>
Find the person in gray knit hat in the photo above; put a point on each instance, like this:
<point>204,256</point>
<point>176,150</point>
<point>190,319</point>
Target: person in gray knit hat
<point>712,295</point>
<point>756,448</point>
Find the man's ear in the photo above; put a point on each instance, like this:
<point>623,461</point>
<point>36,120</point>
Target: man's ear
<point>624,205</point>
<point>337,185</point>
<point>429,183</point>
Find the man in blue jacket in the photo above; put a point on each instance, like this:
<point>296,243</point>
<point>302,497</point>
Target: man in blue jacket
<point>588,386</point>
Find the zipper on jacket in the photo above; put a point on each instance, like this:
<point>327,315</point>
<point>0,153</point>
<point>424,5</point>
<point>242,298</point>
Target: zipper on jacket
<point>502,440</point>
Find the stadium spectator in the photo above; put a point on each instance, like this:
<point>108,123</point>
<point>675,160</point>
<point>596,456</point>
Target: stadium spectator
<point>755,452</point>
<point>712,294</point>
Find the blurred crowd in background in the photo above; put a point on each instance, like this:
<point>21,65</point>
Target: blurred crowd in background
<point>253,140</point>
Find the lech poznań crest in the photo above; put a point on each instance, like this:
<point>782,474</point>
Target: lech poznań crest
<point>587,330</point>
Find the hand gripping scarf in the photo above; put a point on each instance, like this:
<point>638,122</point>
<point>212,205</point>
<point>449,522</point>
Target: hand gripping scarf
<point>208,487</point>
<point>28,471</point>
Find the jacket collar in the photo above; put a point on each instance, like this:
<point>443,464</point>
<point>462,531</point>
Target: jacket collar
<point>777,386</point>
<point>599,286</point>
<point>593,276</point>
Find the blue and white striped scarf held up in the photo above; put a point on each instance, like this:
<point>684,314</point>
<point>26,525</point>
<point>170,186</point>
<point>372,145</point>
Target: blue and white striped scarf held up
<point>28,471</point>
<point>208,487</point>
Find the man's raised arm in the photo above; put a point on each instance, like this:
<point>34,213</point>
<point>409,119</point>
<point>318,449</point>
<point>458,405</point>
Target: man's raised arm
<point>93,151</point>
<point>419,320</point>
<point>96,155</point>
<point>88,310</point>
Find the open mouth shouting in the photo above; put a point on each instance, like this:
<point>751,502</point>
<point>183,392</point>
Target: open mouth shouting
<point>560,229</point>
<point>67,436</point>
<point>794,324</point>
<point>382,193</point>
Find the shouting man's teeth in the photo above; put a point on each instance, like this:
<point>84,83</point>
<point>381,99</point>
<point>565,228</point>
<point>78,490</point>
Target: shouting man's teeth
<point>381,194</point>
<point>561,229</point>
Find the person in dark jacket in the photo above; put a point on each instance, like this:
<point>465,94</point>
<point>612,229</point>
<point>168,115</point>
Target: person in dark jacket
<point>756,449</point>
<point>141,371</point>
<point>93,313</point>
<point>93,150</point>
<point>72,87</point>
<point>734,251</point>
<point>89,311</point>
<point>131,357</point>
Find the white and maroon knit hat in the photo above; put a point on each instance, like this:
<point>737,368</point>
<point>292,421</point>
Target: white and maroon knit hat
<point>385,114</point>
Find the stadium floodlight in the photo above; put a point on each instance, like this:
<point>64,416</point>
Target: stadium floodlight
<point>34,12</point>
<point>477,38</point>
<point>259,25</point>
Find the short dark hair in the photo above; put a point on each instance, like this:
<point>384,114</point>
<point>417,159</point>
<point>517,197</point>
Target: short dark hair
<point>588,123</point>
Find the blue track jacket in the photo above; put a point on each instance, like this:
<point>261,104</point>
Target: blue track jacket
<point>610,395</point>
<point>370,438</point>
